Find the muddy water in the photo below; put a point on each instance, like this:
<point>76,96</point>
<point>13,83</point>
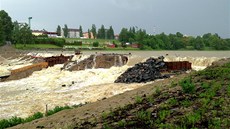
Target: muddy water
<point>58,88</point>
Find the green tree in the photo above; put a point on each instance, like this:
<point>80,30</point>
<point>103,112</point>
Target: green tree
<point>110,33</point>
<point>140,35</point>
<point>2,39</point>
<point>101,33</point>
<point>179,35</point>
<point>206,38</point>
<point>123,36</point>
<point>16,33</point>
<point>81,31</point>
<point>22,34</point>
<point>6,27</point>
<point>59,30</point>
<point>65,30</point>
<point>199,43</point>
<point>89,33</point>
<point>94,31</point>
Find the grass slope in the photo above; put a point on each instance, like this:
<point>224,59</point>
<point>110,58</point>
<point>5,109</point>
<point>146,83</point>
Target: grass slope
<point>201,100</point>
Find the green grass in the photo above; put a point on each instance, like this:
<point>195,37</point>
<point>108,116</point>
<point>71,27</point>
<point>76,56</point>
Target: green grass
<point>101,41</point>
<point>17,120</point>
<point>35,46</point>
<point>187,85</point>
<point>57,109</point>
<point>5,123</point>
<point>138,99</point>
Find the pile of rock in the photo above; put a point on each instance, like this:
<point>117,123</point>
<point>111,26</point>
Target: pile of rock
<point>143,72</point>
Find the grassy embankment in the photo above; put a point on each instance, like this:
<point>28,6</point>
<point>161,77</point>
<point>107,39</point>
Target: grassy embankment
<point>201,100</point>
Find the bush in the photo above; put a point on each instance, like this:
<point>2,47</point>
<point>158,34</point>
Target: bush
<point>57,109</point>
<point>187,85</point>
<point>77,43</point>
<point>95,44</point>
<point>56,41</point>
<point>34,117</point>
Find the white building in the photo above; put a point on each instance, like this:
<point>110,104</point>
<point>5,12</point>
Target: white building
<point>72,33</point>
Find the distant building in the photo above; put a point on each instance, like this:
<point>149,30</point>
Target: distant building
<point>44,32</point>
<point>52,34</point>
<point>116,36</point>
<point>38,32</point>
<point>72,33</point>
<point>86,35</point>
<point>136,45</point>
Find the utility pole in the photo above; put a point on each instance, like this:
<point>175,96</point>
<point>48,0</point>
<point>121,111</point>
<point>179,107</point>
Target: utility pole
<point>29,21</point>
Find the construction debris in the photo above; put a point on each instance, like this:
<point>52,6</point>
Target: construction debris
<point>143,72</point>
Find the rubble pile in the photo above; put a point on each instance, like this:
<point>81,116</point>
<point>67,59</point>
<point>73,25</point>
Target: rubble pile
<point>143,72</point>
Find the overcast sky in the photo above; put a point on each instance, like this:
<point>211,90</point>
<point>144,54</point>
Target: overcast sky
<point>190,17</point>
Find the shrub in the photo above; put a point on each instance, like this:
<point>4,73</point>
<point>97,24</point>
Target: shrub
<point>163,114</point>
<point>143,115</point>
<point>172,101</point>
<point>187,85</point>
<point>57,109</point>
<point>34,117</point>
<point>77,43</point>
<point>95,44</point>
<point>138,99</point>
<point>192,118</point>
<point>11,122</point>
<point>56,41</point>
<point>158,91</point>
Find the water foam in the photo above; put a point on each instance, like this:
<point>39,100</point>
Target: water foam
<point>198,63</point>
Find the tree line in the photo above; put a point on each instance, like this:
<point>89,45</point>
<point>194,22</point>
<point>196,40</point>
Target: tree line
<point>173,41</point>
<point>21,33</point>
<point>13,31</point>
<point>101,33</point>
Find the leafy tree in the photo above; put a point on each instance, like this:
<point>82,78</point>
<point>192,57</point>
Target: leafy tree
<point>81,31</point>
<point>110,33</point>
<point>22,34</point>
<point>16,33</point>
<point>101,33</point>
<point>6,26</point>
<point>166,41</point>
<point>94,31</point>
<point>2,39</point>
<point>65,30</point>
<point>123,36</point>
<point>59,30</point>
<point>199,43</point>
<point>140,35</point>
<point>179,35</point>
<point>176,41</point>
<point>206,38</point>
